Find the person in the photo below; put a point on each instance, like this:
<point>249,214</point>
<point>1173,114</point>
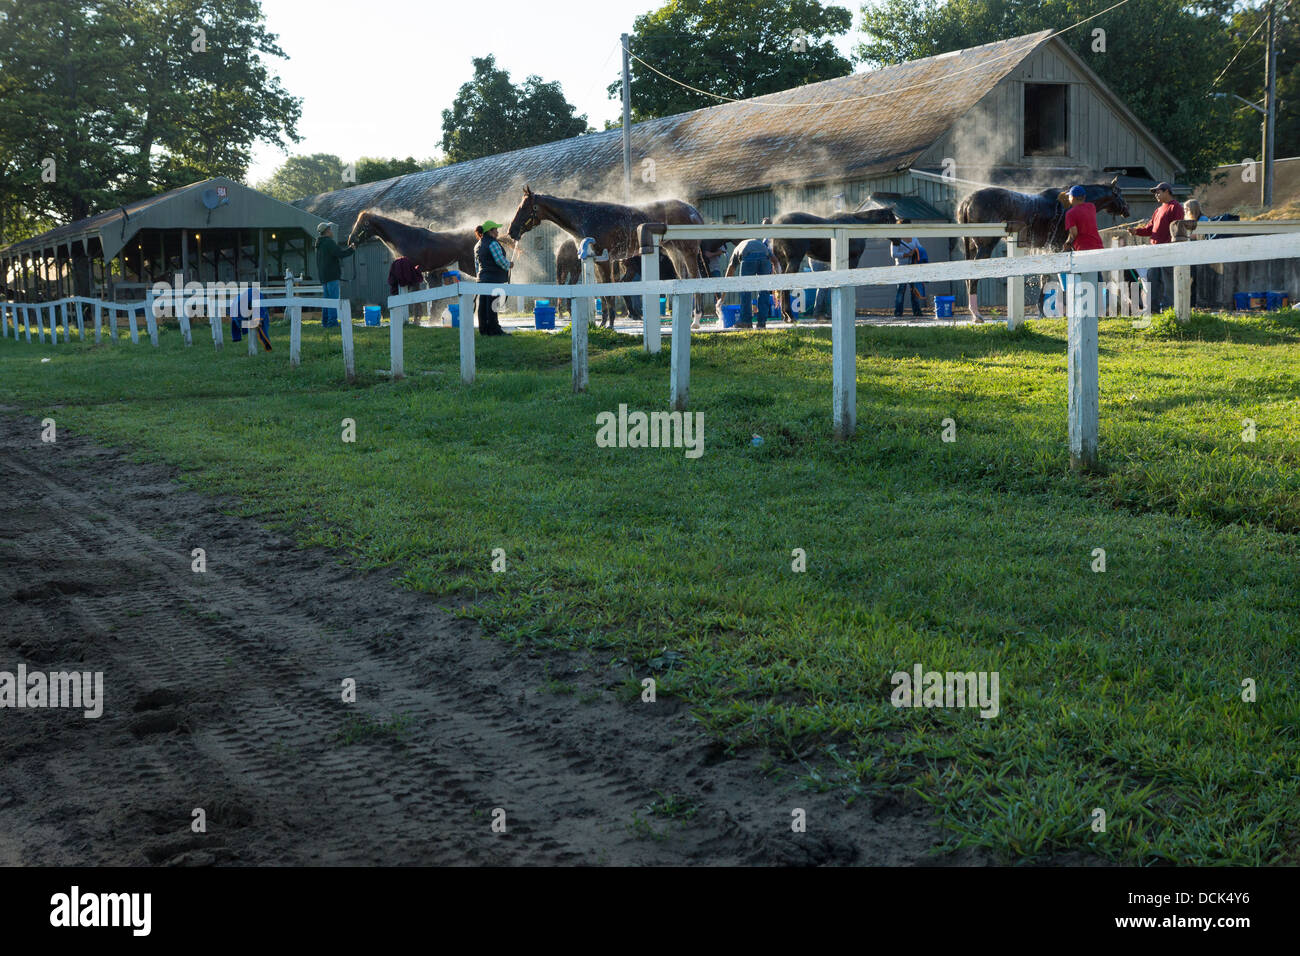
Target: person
<point>493,267</point>
<point>1158,229</point>
<point>753,257</point>
<point>328,270</point>
<point>1081,221</point>
<point>241,311</point>
<point>405,273</point>
<point>907,252</point>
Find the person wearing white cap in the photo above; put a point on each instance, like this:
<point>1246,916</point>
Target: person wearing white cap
<point>328,270</point>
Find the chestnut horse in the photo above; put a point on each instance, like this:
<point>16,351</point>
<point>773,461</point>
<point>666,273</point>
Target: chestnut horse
<point>1038,218</point>
<point>432,251</point>
<point>614,228</point>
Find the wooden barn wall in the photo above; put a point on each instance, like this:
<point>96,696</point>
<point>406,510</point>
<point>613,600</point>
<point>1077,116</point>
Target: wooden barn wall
<point>992,133</point>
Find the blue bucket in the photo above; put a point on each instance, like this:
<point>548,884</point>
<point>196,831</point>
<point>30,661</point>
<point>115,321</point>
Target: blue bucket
<point>544,317</point>
<point>1258,299</point>
<point>809,301</point>
<point>730,316</point>
<point>1241,301</point>
<point>1276,300</point>
<point>663,305</point>
<point>943,306</point>
<point>454,309</point>
<point>372,314</point>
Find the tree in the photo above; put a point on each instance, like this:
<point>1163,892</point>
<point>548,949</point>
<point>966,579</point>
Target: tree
<point>372,170</point>
<point>491,115</point>
<point>1160,56</point>
<point>1245,78</point>
<point>106,101</point>
<point>301,176</point>
<point>731,48</point>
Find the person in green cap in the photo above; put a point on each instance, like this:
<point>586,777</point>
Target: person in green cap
<point>493,267</point>
<point>328,270</point>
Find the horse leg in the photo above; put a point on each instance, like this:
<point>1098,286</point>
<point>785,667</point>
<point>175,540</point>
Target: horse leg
<point>981,252</point>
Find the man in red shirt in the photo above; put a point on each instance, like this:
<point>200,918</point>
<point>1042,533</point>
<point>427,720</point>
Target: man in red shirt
<point>1158,229</point>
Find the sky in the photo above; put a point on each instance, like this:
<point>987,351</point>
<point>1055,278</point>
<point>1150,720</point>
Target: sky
<point>375,76</point>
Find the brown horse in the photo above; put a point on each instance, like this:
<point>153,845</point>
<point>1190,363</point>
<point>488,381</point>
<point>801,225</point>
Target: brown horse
<point>614,228</point>
<point>568,270</point>
<point>790,253</point>
<point>1038,218</point>
<point>433,251</point>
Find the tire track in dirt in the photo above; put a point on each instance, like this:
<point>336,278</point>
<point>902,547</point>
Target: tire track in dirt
<point>223,692</point>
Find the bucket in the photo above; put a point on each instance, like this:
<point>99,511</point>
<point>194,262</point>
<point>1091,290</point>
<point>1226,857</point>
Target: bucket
<point>663,305</point>
<point>454,309</point>
<point>1276,300</point>
<point>943,306</point>
<point>809,301</point>
<point>544,317</point>
<point>1258,299</point>
<point>372,315</point>
<point>1241,301</point>
<point>730,315</point>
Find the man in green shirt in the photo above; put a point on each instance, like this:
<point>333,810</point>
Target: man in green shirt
<point>328,257</point>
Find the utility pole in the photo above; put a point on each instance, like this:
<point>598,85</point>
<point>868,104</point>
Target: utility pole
<point>1270,108</point>
<point>627,122</point>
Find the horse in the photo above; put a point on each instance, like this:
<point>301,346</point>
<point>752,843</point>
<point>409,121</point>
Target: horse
<point>432,251</point>
<point>614,228</point>
<point>790,253</point>
<point>1038,218</point>
<point>568,270</point>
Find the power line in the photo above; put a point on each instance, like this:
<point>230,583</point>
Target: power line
<point>869,96</point>
<point>1262,23</point>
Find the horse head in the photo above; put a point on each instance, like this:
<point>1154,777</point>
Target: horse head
<point>527,216</point>
<point>362,229</point>
<point>1112,199</point>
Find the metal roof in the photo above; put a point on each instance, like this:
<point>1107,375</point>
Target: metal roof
<point>180,208</point>
<point>850,127</point>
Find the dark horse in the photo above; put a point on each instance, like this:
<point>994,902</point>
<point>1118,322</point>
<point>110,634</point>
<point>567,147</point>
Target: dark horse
<point>1037,218</point>
<point>790,252</point>
<point>614,227</point>
<point>568,269</point>
<point>432,251</point>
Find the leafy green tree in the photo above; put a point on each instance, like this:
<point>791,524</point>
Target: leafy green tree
<point>492,115</point>
<point>371,169</point>
<point>1161,56</point>
<point>732,48</point>
<point>301,176</point>
<point>106,101</point>
<point>1245,78</point>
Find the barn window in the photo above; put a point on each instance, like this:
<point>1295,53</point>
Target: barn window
<point>1045,119</point>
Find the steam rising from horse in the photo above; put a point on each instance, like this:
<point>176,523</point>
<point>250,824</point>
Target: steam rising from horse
<point>1038,218</point>
<point>433,251</point>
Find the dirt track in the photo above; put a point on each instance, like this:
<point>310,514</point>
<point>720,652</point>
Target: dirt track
<point>223,692</point>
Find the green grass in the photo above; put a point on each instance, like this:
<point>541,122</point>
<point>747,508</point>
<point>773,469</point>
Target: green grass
<point>1119,690</point>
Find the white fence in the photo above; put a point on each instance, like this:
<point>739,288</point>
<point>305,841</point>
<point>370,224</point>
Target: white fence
<point>1082,342</point>
<point>841,281</point>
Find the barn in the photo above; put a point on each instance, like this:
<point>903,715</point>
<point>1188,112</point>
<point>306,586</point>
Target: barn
<point>216,230</point>
<point>1026,112</point>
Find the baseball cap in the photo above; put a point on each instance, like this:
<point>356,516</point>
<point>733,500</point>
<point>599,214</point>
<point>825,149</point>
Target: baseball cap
<point>1160,187</point>
<point>1078,191</point>
<point>490,225</point>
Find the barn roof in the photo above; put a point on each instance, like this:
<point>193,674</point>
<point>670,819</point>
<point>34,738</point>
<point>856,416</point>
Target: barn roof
<point>180,208</point>
<point>850,127</point>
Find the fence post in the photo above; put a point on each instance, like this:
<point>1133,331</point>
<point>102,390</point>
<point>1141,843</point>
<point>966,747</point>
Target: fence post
<point>183,315</point>
<point>1081,337</point>
<point>112,323</point>
<point>4,320</point>
<point>582,315</point>
<point>295,334</point>
<point>466,339</point>
<point>54,325</point>
<point>651,330</point>
<point>67,326</point>
<point>81,320</point>
<point>99,322</point>
<point>151,320</point>
<point>40,322</point>
<point>135,327</point>
<point>681,351</point>
<point>1183,293</point>
<point>396,327</point>
<point>345,326</point>
<point>27,323</point>
<point>1015,289</point>
<point>844,349</point>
